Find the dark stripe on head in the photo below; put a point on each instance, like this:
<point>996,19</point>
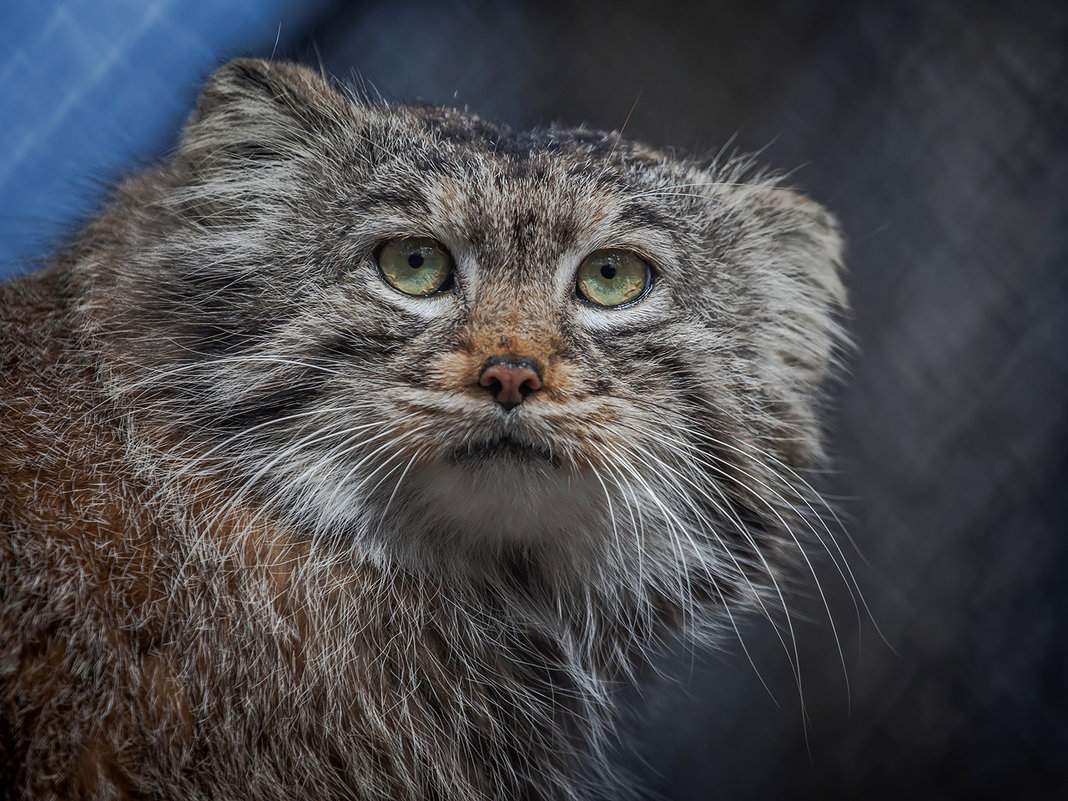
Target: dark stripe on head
<point>222,337</point>
<point>272,405</point>
<point>354,345</point>
<point>217,313</point>
<point>398,198</point>
<point>640,214</point>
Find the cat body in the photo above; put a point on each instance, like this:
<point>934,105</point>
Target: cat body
<point>273,526</point>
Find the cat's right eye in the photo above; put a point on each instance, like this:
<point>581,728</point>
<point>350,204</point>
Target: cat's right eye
<point>415,265</point>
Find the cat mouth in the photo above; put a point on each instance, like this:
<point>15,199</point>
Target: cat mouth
<point>504,447</point>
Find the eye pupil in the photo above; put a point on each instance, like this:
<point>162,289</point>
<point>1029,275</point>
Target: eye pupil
<point>608,271</point>
<point>415,260</point>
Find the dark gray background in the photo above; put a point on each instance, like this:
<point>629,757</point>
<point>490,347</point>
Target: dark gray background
<point>937,133</point>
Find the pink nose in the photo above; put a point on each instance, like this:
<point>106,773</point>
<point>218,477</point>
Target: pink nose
<point>510,379</point>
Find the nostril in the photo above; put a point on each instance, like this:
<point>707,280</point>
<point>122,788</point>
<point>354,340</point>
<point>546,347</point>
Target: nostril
<point>510,379</point>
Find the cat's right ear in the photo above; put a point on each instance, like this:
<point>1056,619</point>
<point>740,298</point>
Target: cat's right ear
<point>260,110</point>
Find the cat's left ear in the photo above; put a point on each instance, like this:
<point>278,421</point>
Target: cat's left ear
<point>792,255</point>
<point>808,237</point>
<point>254,110</point>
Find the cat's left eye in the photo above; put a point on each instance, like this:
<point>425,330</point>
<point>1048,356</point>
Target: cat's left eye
<point>613,277</point>
<point>415,265</point>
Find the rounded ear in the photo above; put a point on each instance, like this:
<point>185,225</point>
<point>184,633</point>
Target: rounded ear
<point>789,250</point>
<point>259,110</point>
<point>811,239</point>
<point>809,246</point>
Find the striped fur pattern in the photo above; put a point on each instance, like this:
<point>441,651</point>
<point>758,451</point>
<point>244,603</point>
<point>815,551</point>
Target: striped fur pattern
<point>264,536</point>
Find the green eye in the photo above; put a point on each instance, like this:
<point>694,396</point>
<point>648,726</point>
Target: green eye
<point>415,265</point>
<point>613,277</point>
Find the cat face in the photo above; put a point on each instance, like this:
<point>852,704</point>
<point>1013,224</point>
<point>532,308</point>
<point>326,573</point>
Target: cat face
<point>599,350</point>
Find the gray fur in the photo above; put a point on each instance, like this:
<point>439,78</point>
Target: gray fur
<point>267,553</point>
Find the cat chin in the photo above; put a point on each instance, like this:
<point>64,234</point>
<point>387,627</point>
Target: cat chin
<point>505,494</point>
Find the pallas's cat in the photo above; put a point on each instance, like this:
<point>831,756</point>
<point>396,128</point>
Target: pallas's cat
<point>359,451</point>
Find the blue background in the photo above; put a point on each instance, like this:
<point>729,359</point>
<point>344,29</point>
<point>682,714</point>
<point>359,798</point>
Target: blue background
<point>89,89</point>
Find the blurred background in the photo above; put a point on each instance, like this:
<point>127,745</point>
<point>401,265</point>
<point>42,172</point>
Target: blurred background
<point>936,131</point>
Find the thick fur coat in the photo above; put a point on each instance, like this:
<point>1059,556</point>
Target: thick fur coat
<point>264,535</point>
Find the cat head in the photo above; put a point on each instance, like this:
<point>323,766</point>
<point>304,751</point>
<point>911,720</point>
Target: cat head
<point>431,339</point>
